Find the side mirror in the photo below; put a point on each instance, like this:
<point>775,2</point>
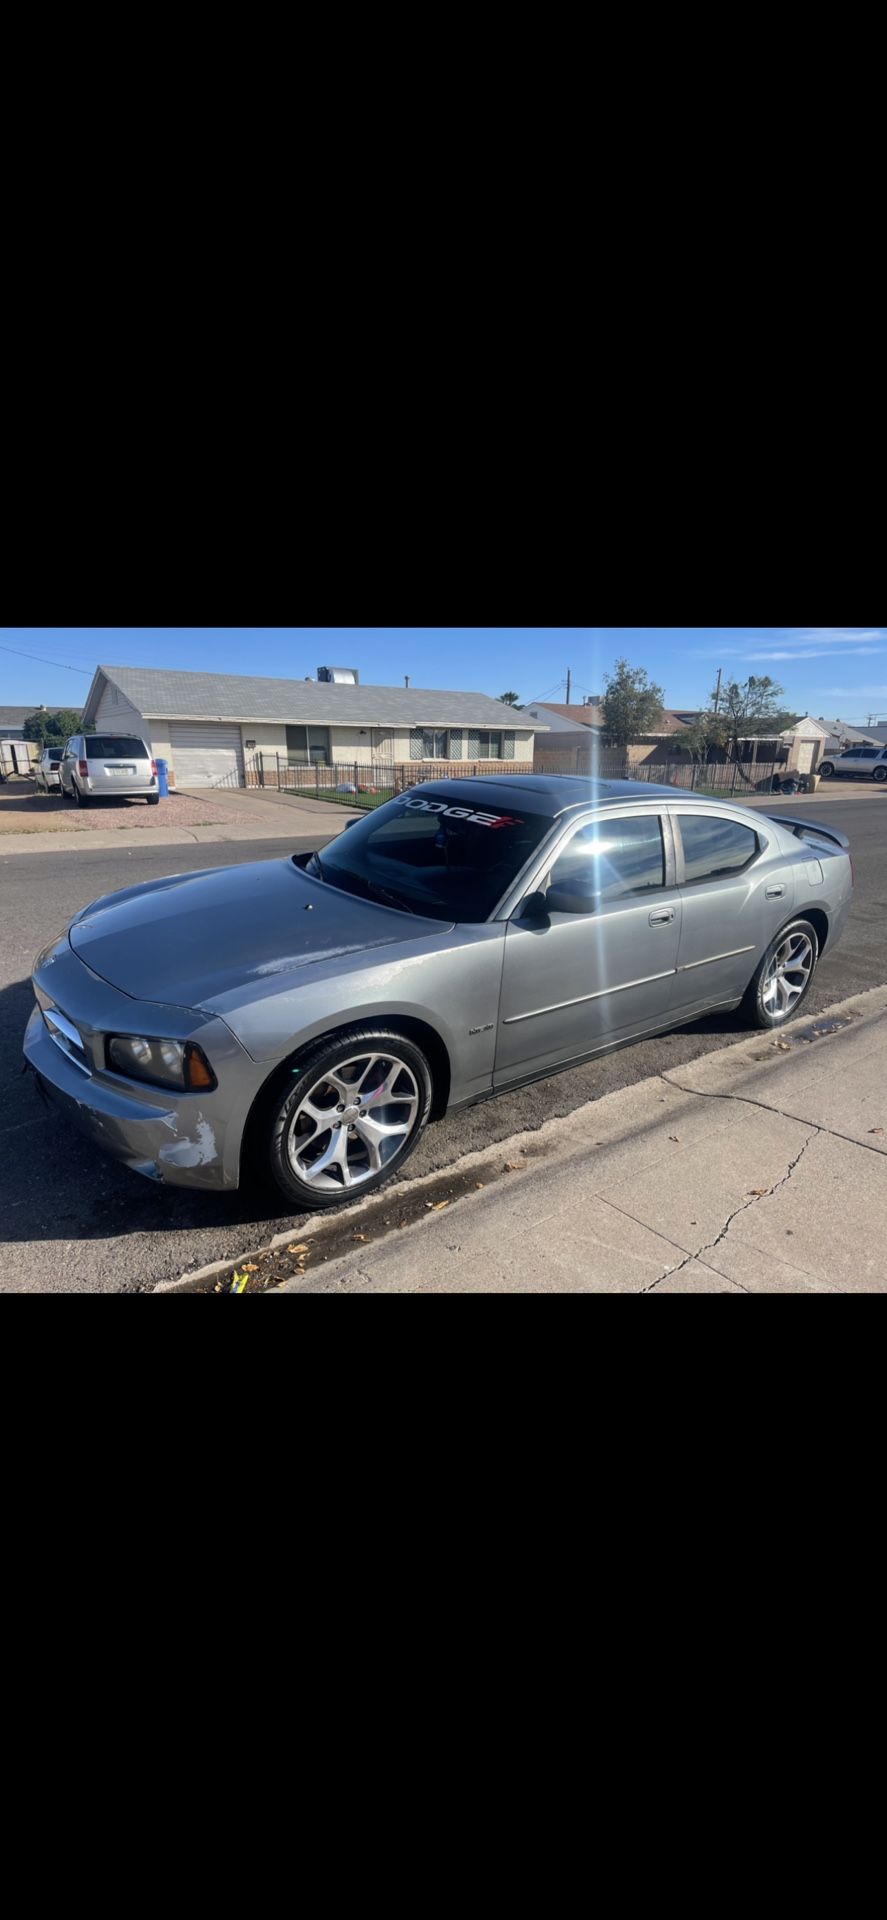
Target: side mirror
<point>534,907</point>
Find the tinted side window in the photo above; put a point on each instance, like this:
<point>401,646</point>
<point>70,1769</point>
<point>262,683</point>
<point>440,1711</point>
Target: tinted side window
<point>606,859</point>
<point>713,847</point>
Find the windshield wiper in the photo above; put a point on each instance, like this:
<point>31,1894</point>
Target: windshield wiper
<point>383,893</point>
<point>339,877</point>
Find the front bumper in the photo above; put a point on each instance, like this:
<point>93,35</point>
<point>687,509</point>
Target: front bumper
<point>180,1139</point>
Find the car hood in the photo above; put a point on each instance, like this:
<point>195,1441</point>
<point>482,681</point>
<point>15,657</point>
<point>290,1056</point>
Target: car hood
<point>188,939</point>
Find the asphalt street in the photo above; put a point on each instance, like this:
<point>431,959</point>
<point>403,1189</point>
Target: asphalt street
<point>75,1221</point>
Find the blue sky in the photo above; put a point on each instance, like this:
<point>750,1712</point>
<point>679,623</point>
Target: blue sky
<point>832,670</point>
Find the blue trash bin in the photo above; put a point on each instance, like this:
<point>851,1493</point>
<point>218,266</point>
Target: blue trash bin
<point>163,778</point>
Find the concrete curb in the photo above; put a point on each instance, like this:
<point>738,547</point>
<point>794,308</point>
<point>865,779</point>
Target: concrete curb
<point>826,794</point>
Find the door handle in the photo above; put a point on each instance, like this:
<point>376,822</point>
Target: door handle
<point>774,893</point>
<point>661,916</point>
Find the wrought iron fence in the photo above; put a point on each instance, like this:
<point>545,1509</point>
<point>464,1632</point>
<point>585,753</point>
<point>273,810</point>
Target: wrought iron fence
<point>720,776</point>
<point>727,777</point>
<point>356,783</point>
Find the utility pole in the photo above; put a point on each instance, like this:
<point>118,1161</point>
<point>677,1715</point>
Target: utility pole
<point>718,689</point>
<point>569,678</point>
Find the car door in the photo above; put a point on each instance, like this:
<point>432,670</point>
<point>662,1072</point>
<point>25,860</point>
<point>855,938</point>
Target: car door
<point>594,962</point>
<point>736,891</point>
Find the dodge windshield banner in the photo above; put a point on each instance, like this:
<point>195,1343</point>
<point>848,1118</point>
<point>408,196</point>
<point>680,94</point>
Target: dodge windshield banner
<point>464,813</point>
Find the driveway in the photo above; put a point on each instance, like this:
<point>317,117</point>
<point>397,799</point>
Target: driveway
<point>238,813</point>
<point>24,810</point>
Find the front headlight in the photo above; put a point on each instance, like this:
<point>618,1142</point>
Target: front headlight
<point>167,1063</point>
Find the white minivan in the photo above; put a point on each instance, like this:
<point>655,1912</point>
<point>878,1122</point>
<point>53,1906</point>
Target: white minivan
<point>108,766</point>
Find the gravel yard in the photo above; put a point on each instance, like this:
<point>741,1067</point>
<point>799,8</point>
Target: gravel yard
<point>24,811</point>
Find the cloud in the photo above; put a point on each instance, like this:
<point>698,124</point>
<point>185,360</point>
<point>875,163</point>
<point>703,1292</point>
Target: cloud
<point>815,653</point>
<point>844,633</point>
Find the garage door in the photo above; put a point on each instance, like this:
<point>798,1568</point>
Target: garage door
<point>206,756</point>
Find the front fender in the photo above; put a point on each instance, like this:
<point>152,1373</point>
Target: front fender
<point>453,988</point>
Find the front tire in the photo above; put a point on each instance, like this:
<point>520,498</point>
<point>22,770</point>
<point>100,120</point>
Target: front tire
<point>778,989</point>
<point>348,1117</point>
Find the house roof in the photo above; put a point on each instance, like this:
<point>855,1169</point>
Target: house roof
<point>575,716</point>
<point>16,716</point>
<point>673,719</point>
<point>839,730</point>
<point>160,693</point>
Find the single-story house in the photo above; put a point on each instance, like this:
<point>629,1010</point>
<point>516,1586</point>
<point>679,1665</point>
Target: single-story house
<point>811,740</point>
<point>578,731</point>
<point>12,721</point>
<point>210,726</point>
<point>839,735</point>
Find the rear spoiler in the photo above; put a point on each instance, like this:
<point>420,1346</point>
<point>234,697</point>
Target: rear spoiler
<point>801,828</point>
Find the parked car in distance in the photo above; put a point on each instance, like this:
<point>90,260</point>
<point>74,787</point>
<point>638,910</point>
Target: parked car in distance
<point>856,763</point>
<point>309,1015</point>
<point>46,772</point>
<point>108,766</point>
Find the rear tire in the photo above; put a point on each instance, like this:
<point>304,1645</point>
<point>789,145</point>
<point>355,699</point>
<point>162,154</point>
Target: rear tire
<point>826,770</point>
<point>880,774</point>
<point>779,987</point>
<point>153,799</point>
<point>82,799</point>
<point>319,1161</point>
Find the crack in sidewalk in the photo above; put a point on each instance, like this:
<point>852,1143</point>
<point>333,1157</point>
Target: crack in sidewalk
<point>745,1100</point>
<point>709,1245</point>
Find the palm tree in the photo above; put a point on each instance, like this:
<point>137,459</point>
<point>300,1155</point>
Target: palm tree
<point>509,699</point>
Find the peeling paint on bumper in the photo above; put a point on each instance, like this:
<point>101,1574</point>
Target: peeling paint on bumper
<point>170,1138</point>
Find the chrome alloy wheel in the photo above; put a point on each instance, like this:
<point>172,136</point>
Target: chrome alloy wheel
<point>787,975</point>
<point>353,1121</point>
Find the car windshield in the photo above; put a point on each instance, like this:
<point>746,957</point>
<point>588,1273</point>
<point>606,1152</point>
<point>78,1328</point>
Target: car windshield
<point>433,854</point>
<point>112,746</point>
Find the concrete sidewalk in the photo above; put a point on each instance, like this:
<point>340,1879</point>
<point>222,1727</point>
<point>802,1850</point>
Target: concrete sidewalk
<point>758,1169</point>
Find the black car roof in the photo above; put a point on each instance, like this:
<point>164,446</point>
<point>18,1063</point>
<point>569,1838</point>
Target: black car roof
<point>549,793</point>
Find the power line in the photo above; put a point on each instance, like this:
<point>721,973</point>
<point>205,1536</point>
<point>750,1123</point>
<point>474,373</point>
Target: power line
<point>89,671</point>
<point>539,697</point>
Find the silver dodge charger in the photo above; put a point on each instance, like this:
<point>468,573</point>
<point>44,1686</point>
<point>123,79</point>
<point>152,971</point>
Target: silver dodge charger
<point>309,1015</point>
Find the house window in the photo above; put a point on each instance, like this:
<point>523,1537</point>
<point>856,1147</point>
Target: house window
<point>308,746</point>
<point>489,746</point>
<point>435,745</point>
